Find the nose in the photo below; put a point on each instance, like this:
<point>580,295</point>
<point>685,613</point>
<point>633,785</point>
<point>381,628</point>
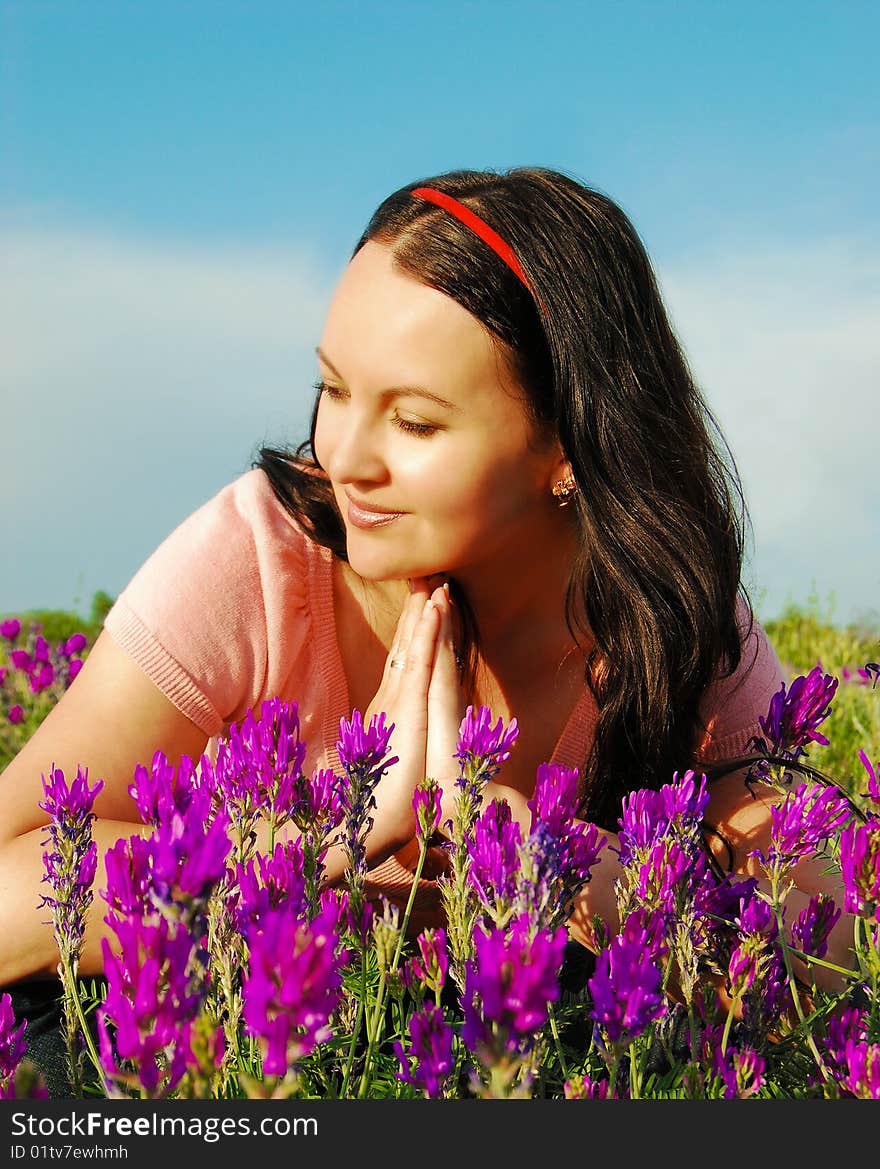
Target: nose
<point>349,449</point>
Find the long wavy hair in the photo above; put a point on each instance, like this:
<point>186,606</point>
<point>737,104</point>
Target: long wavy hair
<point>659,502</point>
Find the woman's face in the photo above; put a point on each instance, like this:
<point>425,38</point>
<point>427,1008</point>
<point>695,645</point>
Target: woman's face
<point>433,461</point>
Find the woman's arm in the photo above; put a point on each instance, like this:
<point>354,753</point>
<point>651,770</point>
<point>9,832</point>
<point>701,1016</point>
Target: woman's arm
<point>744,821</point>
<point>742,816</point>
<point>112,718</point>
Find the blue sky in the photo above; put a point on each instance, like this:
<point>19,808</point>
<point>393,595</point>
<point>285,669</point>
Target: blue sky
<point>181,184</point>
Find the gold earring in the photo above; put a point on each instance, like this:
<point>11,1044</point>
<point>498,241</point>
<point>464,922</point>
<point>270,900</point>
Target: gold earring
<point>564,489</point>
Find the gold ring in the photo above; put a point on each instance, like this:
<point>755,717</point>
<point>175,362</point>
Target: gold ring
<point>397,663</point>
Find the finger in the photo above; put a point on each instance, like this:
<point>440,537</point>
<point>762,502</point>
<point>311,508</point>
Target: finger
<point>410,616</point>
<point>445,705</point>
<point>444,677</point>
<point>422,645</point>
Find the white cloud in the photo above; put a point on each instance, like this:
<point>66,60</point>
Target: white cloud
<point>137,379</point>
<point>786,346</point>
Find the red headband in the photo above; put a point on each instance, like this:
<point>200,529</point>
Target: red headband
<point>478,226</point>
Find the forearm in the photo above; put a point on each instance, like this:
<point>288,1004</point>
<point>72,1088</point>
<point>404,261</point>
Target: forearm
<point>27,941</point>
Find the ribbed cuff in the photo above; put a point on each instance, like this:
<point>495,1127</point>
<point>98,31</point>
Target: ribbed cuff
<point>132,635</point>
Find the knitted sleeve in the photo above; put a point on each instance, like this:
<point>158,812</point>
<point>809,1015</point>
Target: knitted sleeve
<point>202,613</point>
<point>731,706</point>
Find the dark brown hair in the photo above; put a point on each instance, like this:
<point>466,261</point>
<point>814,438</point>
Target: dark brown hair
<point>659,503</point>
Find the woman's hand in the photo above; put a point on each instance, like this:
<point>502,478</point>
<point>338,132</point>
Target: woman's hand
<point>419,693</point>
<point>445,707</point>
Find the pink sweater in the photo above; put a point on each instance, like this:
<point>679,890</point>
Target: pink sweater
<point>236,606</point>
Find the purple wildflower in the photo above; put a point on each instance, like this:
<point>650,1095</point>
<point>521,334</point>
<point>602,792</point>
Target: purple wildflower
<point>509,983</point>
<point>317,808</point>
<point>173,872</point>
<point>270,882</point>
<point>582,845</point>
<point>578,844</point>
<point>189,858</point>
<point>860,868</point>
<point>10,628</point>
<point>482,748</point>
<point>42,674</point>
<point>555,801</point>
<point>585,1088</point>
<point>796,712</point>
<point>742,969</point>
<point>16,714</point>
<point>756,973</point>
<point>257,770</point>
<point>427,808</point>
<point>277,745</point>
<point>69,858</point>
<point>847,1029</point>
<point>873,777</point>
<point>128,866</point>
<point>756,918</point>
<point>649,816</point>
<point>554,866</point>
<point>74,644</point>
<point>163,789</point>
<point>765,1002</point>
<point>725,900</point>
<point>809,934</point>
<point>741,1071</point>
<point>317,811</point>
<point>149,999</point>
<point>752,958</point>
<point>364,754</point>
<point>12,1046</point>
<point>627,987</point>
<point>429,1061</point>
<point>667,868</point>
<point>292,985</point>
<point>363,749</point>
<point>861,1070</point>
<point>430,965</point>
<point>803,823</point>
<point>494,856</point>
<point>358,919</point>
<point>19,1079</point>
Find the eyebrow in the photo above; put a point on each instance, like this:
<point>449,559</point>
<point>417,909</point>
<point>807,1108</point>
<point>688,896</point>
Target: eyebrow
<point>411,391</point>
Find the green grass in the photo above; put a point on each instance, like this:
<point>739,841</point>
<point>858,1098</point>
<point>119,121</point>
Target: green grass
<point>805,636</point>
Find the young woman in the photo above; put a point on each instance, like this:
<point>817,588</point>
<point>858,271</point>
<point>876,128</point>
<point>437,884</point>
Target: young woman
<point>512,495</point>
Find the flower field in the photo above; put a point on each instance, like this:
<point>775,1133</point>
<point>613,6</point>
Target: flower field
<point>240,973</point>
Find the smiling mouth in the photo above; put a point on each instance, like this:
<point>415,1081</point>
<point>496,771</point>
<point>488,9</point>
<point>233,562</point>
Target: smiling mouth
<point>366,518</point>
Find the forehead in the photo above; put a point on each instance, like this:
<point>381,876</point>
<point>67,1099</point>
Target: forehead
<point>385,328</point>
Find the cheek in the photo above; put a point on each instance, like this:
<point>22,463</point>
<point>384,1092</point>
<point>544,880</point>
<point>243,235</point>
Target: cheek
<point>476,494</point>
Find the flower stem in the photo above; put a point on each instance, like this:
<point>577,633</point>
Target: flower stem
<point>414,888</point>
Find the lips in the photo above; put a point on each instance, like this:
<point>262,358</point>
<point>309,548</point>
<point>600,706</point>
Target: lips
<point>366,516</point>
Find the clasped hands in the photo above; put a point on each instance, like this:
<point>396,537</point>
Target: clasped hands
<point>420,692</point>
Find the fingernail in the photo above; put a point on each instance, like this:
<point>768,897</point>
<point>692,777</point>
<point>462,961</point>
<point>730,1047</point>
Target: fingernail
<point>446,587</point>
<point>429,604</point>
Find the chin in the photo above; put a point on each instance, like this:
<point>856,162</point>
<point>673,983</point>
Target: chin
<point>371,566</point>
<point>385,555</point>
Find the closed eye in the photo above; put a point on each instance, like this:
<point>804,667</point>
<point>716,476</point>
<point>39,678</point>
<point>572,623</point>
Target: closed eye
<point>406,425</point>
<point>419,429</point>
<point>331,392</point>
